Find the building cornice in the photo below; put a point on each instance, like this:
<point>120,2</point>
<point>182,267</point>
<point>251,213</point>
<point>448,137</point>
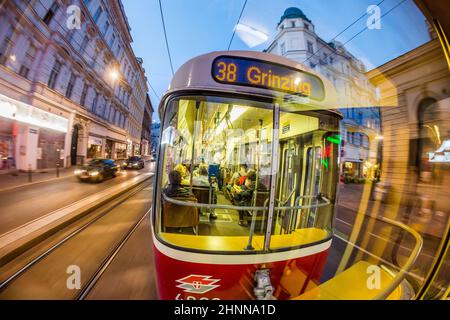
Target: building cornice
<point>411,59</point>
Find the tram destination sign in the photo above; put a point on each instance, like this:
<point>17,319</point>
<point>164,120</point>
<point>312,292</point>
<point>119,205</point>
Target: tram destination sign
<point>267,75</point>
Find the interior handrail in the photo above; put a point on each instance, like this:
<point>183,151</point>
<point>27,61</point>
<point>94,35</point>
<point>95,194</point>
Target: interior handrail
<point>233,207</point>
<point>409,263</point>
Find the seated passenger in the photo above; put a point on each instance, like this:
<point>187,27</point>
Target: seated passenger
<point>200,177</point>
<point>174,189</point>
<point>244,195</point>
<point>181,168</point>
<point>238,178</point>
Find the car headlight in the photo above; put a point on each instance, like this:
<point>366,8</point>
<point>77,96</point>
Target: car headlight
<point>77,172</point>
<point>94,173</point>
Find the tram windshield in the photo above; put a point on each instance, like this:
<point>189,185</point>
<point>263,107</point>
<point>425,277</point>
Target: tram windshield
<point>221,157</point>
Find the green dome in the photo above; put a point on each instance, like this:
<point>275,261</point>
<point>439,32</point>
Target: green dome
<point>293,13</point>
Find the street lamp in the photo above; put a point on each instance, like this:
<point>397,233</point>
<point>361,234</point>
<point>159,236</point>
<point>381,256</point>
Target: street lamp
<point>114,75</point>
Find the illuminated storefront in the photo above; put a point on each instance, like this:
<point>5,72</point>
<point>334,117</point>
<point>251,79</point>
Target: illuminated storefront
<point>95,148</point>
<point>30,137</point>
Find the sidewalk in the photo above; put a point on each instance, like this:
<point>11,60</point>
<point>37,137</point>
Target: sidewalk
<point>15,179</point>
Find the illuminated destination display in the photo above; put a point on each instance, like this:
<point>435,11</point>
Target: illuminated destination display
<point>261,74</point>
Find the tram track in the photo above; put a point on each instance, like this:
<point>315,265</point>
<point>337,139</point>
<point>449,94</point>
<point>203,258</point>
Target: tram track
<point>115,224</point>
<point>91,284</point>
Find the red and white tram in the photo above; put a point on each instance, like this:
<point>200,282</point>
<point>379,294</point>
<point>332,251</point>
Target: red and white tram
<point>246,181</point>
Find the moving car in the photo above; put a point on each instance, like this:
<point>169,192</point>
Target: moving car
<point>134,162</point>
<point>97,170</point>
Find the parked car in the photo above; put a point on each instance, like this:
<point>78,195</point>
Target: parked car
<point>134,162</point>
<point>97,170</point>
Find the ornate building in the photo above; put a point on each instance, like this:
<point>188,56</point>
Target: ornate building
<point>415,100</point>
<point>71,88</point>
<point>296,39</point>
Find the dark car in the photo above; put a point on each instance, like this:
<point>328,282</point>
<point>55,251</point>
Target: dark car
<point>97,170</point>
<point>134,162</point>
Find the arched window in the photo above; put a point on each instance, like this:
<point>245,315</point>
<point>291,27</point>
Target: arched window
<point>429,135</point>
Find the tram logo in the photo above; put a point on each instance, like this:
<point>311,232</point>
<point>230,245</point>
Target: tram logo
<point>197,284</point>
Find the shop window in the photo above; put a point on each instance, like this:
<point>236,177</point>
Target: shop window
<point>95,147</point>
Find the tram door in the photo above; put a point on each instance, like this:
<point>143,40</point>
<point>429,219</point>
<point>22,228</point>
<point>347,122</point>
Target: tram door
<point>288,184</point>
<point>312,167</point>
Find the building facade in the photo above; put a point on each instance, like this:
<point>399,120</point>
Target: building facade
<point>154,137</point>
<point>71,88</point>
<point>296,39</point>
<point>146,127</point>
<point>415,100</point>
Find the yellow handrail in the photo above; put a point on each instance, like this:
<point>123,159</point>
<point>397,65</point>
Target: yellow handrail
<point>409,263</point>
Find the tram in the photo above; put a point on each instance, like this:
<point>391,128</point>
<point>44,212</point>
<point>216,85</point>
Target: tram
<point>246,180</point>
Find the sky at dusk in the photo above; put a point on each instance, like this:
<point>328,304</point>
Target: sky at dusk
<point>195,27</point>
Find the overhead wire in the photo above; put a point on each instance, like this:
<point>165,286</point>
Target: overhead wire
<point>234,30</point>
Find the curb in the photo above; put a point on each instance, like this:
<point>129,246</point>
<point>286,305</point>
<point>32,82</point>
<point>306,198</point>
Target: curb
<point>15,248</point>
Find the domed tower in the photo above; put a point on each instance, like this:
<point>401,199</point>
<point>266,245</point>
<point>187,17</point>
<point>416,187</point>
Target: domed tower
<point>294,18</point>
<point>296,38</point>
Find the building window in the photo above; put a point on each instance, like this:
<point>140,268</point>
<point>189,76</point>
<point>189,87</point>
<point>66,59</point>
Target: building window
<point>28,61</point>
<point>306,26</point>
<point>293,24</point>
<point>84,44</point>
<point>112,40</point>
<point>283,48</point>
<point>51,13</point>
<point>6,44</point>
<point>94,102</point>
<point>430,122</point>
<point>54,74</point>
<point>84,94</point>
<point>70,86</point>
<point>97,14</point>
<point>310,47</point>
<point>106,28</point>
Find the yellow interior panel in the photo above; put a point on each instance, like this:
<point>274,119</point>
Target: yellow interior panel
<point>351,285</point>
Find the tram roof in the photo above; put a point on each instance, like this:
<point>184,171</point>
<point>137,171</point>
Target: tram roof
<point>196,75</point>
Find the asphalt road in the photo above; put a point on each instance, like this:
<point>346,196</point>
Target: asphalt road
<point>131,274</point>
<point>22,205</point>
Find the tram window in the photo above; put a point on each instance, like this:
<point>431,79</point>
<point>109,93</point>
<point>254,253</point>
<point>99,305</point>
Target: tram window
<point>216,152</point>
